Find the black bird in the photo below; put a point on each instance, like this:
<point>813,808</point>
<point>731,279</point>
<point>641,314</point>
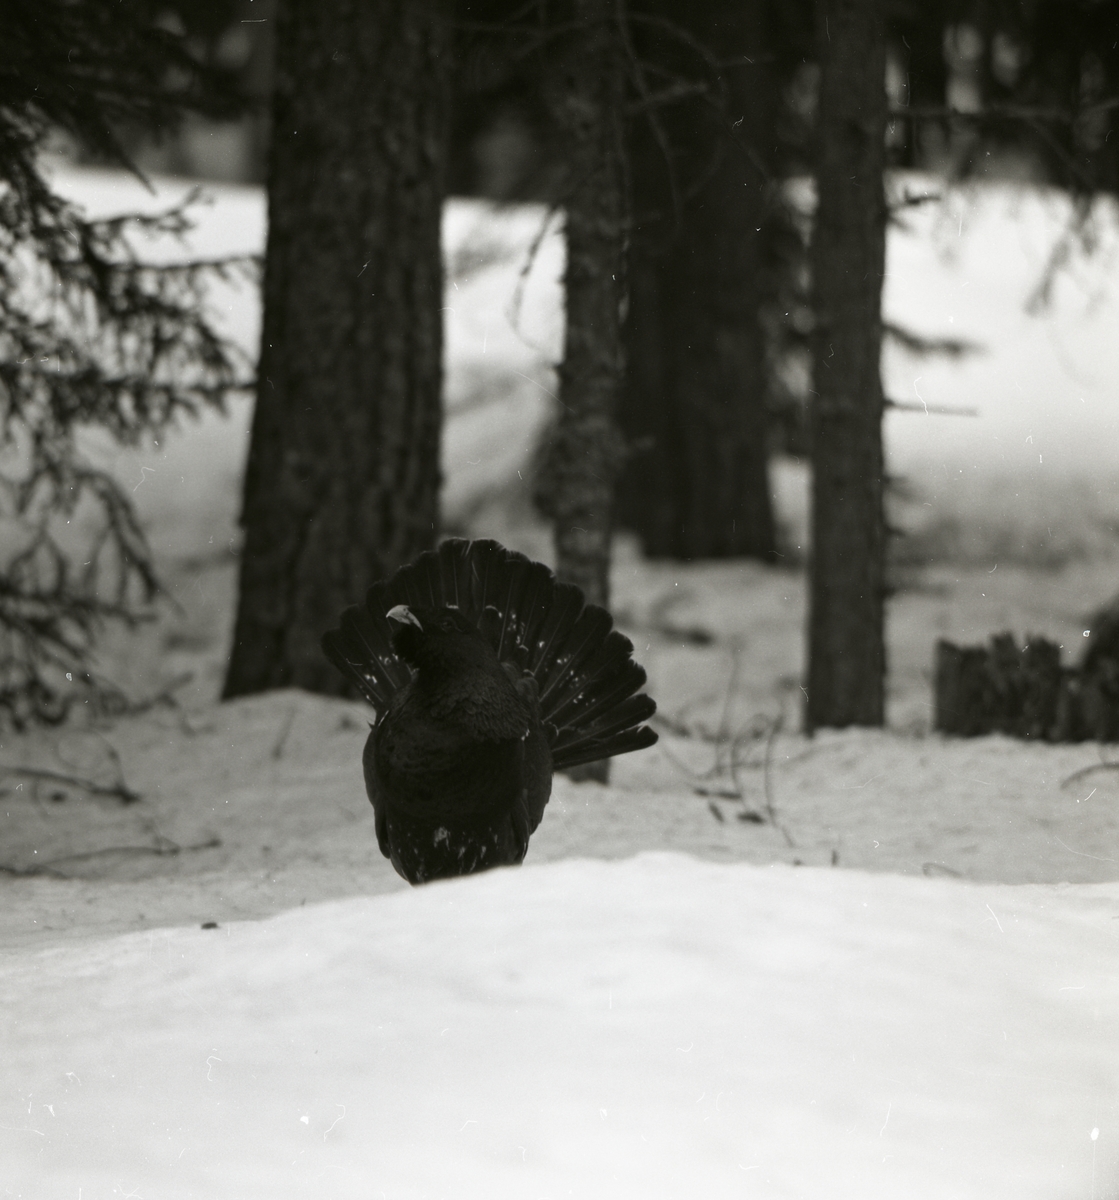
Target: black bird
<point>487,675</point>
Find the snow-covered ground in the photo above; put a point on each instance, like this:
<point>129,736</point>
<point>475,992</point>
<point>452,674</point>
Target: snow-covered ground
<point>870,964</point>
<point>653,1027</point>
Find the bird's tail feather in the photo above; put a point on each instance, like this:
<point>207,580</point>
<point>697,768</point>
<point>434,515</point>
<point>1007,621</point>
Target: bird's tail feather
<point>362,650</point>
<point>587,679</point>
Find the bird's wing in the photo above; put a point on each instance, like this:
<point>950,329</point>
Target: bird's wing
<point>373,791</point>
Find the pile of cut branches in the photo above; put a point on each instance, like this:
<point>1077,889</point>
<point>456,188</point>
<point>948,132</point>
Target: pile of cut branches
<point>1026,692</point>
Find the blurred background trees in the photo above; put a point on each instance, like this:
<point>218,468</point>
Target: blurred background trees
<point>89,334</point>
<point>708,160</point>
<point>700,280</point>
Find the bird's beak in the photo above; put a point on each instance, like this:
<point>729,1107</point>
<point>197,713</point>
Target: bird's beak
<point>403,615</point>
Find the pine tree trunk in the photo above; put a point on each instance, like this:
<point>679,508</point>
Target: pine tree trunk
<point>694,405</point>
<point>846,651</point>
<point>585,451</point>
<point>342,479</point>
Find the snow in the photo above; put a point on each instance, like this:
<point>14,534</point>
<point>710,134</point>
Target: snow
<point>1042,379</point>
<point>657,1026</point>
<point>873,963</point>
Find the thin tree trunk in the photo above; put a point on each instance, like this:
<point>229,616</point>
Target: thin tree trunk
<point>846,651</point>
<point>585,452</point>
<point>342,479</point>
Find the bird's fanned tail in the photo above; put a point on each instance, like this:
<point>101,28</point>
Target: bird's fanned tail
<point>587,680</point>
<point>361,649</point>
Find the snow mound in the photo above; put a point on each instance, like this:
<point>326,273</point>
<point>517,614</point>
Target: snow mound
<point>651,1027</point>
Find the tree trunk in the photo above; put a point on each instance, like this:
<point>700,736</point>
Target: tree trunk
<point>581,460</point>
<point>343,472</point>
<point>585,450</point>
<point>694,405</point>
<point>846,651</point>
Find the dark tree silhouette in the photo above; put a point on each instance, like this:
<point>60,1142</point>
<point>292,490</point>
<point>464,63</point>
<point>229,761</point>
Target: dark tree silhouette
<point>342,481</point>
<point>1046,75</point>
<point>710,142</point>
<point>846,646</point>
<point>1069,61</point>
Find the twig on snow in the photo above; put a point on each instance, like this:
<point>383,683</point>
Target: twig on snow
<point>278,748</point>
<point>1103,766</point>
<point>166,847</point>
<point>767,777</point>
<point>121,790</point>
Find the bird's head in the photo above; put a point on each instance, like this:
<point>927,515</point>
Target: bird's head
<point>440,638</point>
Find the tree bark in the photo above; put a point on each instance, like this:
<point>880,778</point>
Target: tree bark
<point>695,402</point>
<point>846,651</point>
<point>342,480</point>
<point>585,451</point>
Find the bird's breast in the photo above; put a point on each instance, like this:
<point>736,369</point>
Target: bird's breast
<point>439,769</point>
